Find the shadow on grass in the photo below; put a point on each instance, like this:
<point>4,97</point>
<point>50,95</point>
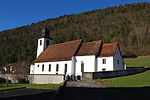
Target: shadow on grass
<point>41,96</point>
<point>82,93</point>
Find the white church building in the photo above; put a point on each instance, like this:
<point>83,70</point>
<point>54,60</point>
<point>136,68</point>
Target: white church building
<point>56,61</point>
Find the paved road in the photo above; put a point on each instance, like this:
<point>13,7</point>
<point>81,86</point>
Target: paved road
<point>84,90</point>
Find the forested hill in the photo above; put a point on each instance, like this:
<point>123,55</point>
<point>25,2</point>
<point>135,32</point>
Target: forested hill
<point>129,25</point>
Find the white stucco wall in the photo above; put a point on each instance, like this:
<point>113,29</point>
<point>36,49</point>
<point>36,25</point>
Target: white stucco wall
<point>118,56</point>
<point>34,69</point>
<point>89,64</point>
<point>108,66</point>
<point>42,47</point>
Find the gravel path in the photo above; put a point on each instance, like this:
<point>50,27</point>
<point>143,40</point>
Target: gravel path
<point>86,90</point>
<point>81,84</point>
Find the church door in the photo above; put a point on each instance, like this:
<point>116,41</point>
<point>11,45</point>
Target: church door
<point>82,67</point>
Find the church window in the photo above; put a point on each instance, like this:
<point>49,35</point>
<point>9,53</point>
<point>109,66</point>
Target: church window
<point>43,67</point>
<point>118,61</point>
<point>57,68</point>
<point>104,61</point>
<point>65,68</point>
<point>40,42</point>
<point>49,68</point>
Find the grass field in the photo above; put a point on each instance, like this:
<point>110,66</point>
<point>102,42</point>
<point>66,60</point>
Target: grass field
<point>32,86</point>
<point>137,80</point>
<point>133,87</point>
<point>138,62</point>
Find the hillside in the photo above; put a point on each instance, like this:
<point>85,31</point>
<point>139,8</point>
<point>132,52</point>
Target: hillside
<point>128,25</point>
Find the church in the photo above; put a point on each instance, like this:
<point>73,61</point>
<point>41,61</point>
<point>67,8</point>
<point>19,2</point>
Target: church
<point>55,62</point>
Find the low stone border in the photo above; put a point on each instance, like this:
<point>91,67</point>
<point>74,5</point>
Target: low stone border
<point>111,74</point>
<point>117,73</point>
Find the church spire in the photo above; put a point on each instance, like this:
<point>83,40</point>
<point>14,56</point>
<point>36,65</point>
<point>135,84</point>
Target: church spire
<point>45,33</point>
<point>44,41</point>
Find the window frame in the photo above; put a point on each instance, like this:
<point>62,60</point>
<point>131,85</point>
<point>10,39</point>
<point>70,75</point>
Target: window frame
<point>65,70</point>
<point>118,61</point>
<point>57,67</point>
<point>40,42</point>
<point>42,67</point>
<point>103,61</point>
<point>49,68</point>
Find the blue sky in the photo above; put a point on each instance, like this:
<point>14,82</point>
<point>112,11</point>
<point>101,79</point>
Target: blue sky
<point>16,13</point>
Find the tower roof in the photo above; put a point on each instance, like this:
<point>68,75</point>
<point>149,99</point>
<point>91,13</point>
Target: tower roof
<point>45,33</point>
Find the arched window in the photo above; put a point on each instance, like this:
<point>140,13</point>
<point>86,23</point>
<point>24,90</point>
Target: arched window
<point>118,61</point>
<point>40,42</point>
<point>43,67</point>
<point>104,61</point>
<point>65,70</point>
<point>47,43</point>
<point>49,69</point>
<point>57,68</point>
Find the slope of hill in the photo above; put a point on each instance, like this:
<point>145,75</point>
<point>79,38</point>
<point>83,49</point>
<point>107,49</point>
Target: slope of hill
<point>127,24</point>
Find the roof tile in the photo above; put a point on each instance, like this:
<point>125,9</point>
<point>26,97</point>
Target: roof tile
<point>89,48</point>
<point>108,49</point>
<point>61,51</point>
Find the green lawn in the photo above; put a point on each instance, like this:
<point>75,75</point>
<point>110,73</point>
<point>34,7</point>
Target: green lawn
<point>137,80</point>
<point>138,62</point>
<point>33,86</point>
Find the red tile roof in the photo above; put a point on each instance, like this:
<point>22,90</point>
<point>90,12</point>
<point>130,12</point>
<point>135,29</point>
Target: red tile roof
<point>65,51</point>
<point>59,52</point>
<point>108,50</point>
<point>89,48</point>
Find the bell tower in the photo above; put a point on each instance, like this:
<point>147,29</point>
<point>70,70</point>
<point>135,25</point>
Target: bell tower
<point>44,41</point>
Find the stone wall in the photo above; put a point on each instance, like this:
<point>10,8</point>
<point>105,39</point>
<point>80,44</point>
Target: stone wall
<point>34,79</point>
<point>46,79</point>
<point>14,78</point>
<point>87,75</point>
<point>111,74</point>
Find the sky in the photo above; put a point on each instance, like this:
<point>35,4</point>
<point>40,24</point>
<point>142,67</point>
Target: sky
<point>16,13</point>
